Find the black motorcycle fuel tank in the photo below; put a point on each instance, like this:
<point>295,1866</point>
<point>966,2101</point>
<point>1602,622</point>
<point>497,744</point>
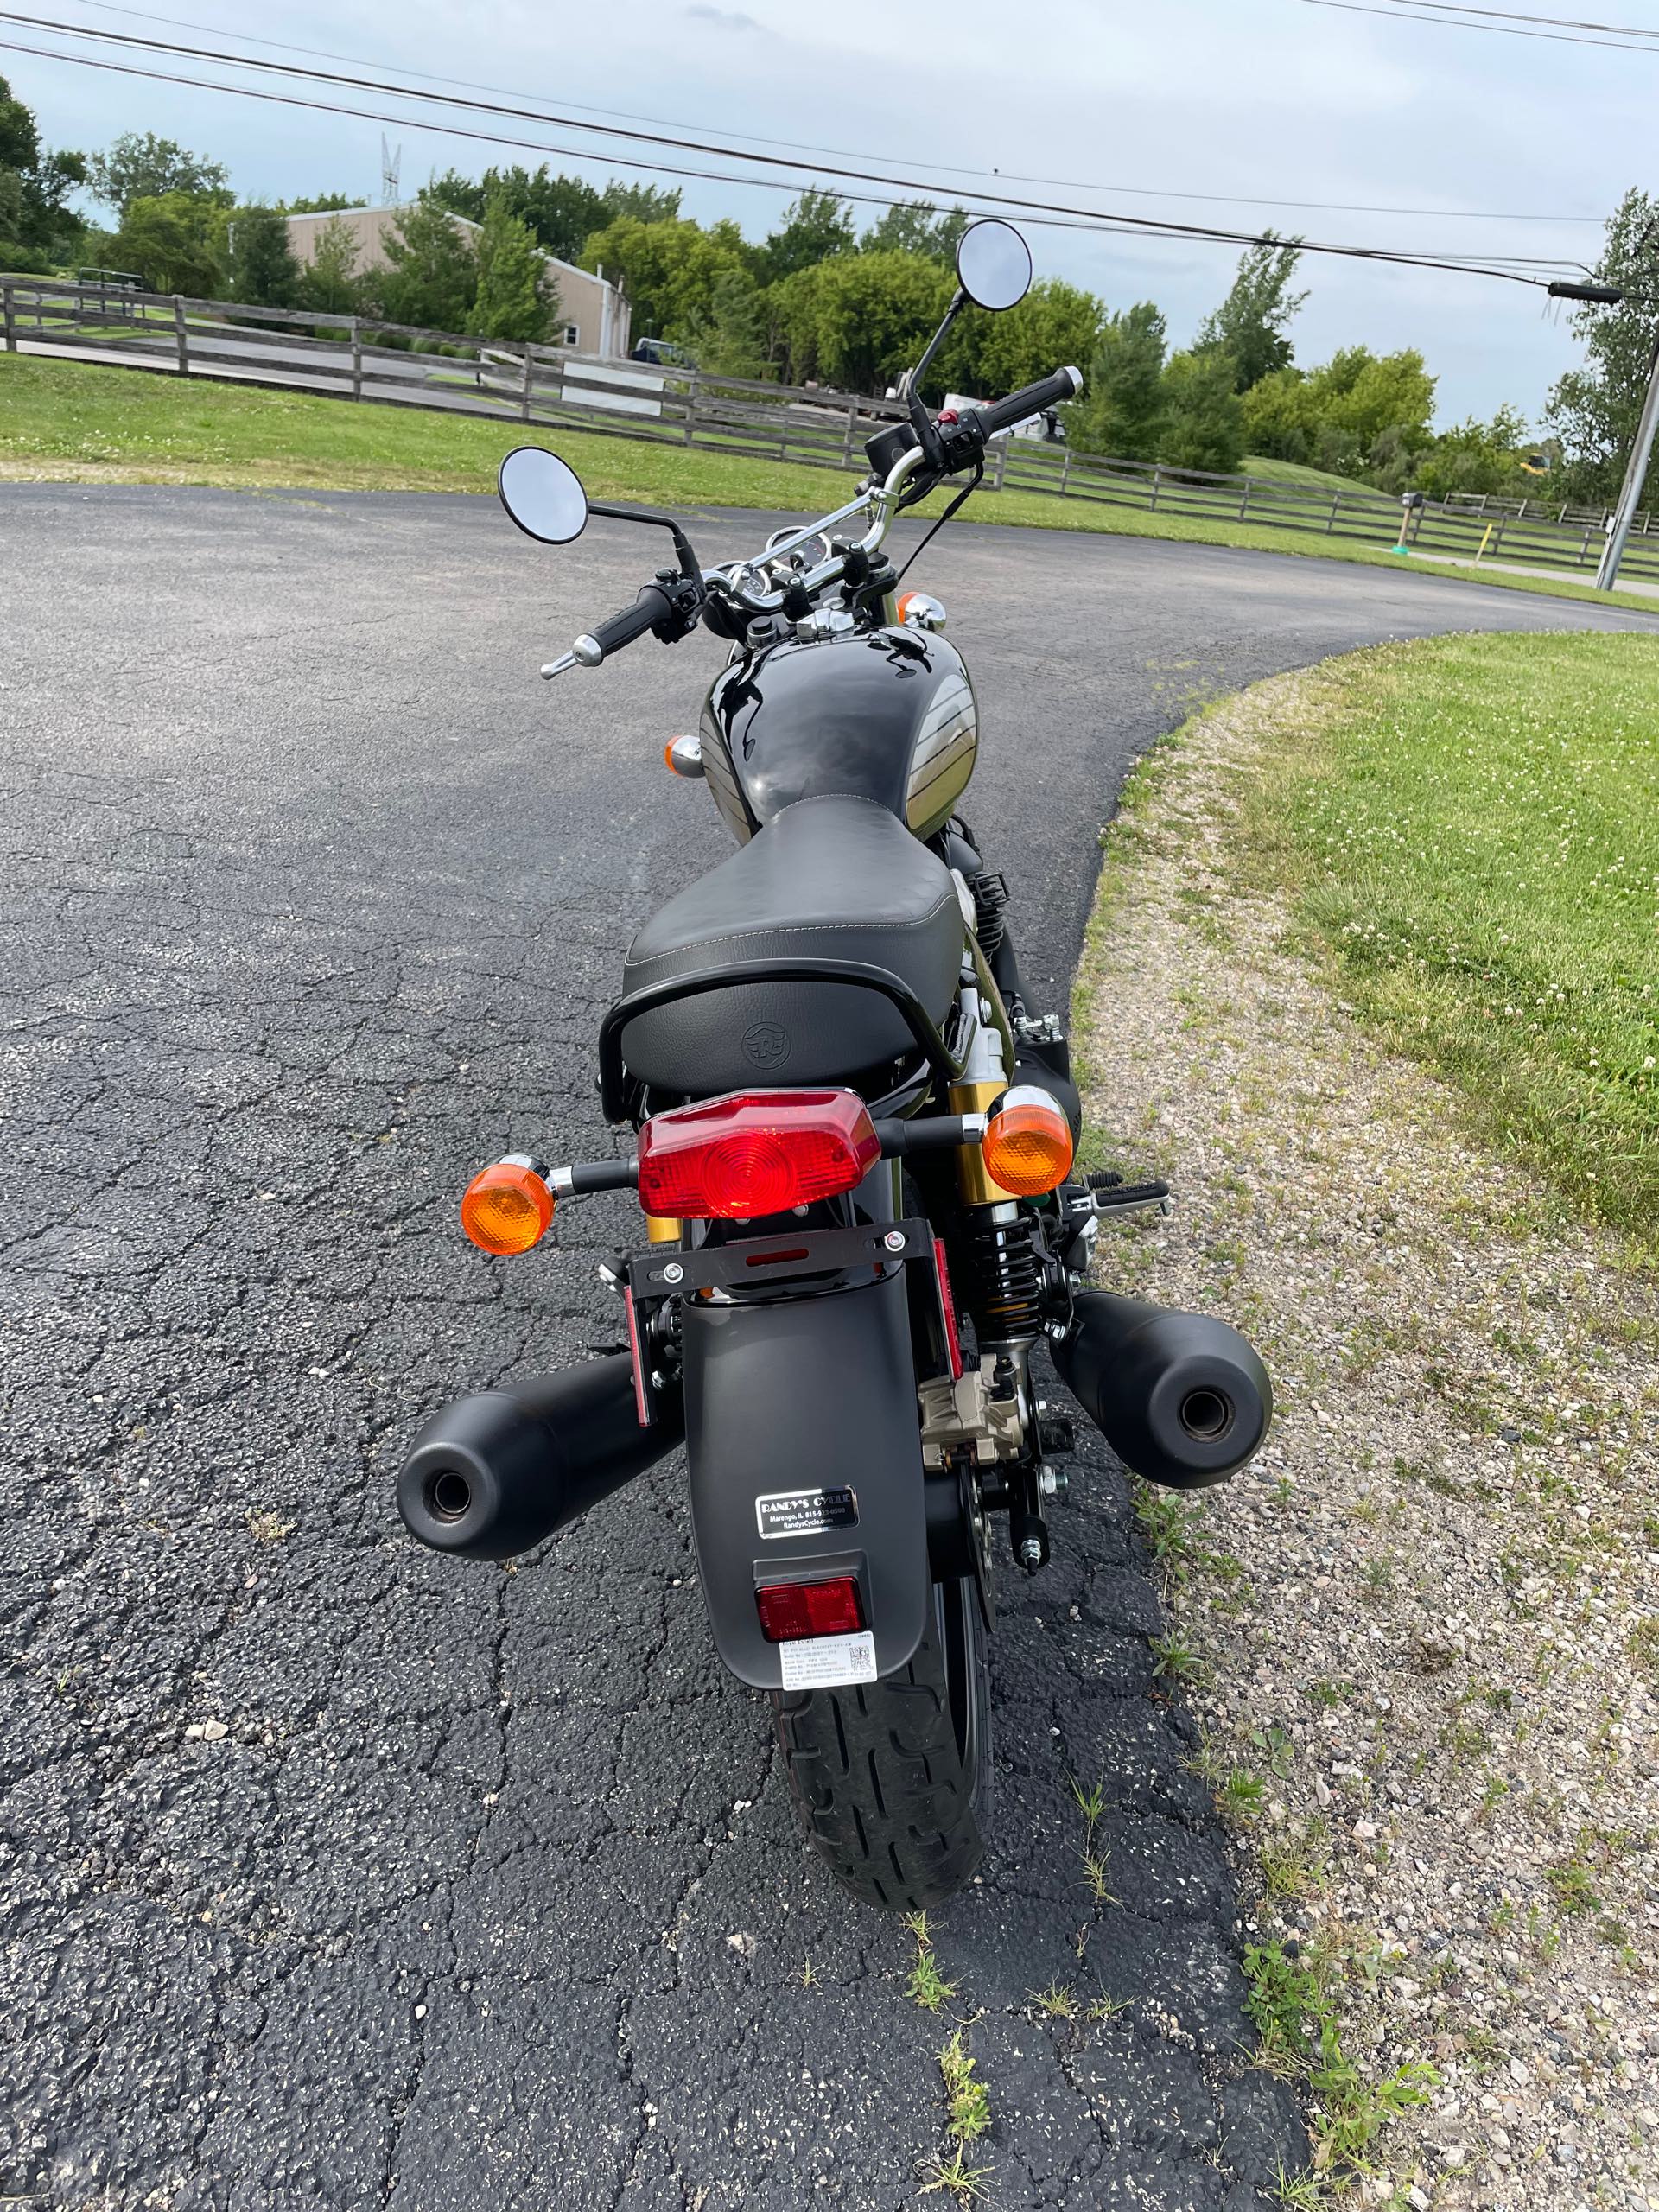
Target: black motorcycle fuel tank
<point>887,715</point>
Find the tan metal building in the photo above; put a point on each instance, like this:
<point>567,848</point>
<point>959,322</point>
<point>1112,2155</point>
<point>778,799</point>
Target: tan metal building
<point>593,312</point>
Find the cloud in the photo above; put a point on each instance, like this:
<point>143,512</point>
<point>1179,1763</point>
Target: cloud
<point>726,19</point>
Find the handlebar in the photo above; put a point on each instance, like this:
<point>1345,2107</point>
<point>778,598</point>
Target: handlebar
<point>652,605</point>
<point>1019,406</point>
<point>740,583</point>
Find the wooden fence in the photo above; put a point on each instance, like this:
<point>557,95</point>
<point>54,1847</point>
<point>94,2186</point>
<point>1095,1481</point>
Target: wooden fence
<point>353,357</point>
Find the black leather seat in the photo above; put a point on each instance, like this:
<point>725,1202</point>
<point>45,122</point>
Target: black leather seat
<point>831,878</point>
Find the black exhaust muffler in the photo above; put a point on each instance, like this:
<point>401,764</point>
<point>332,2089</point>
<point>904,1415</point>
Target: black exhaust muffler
<point>1181,1398</point>
<point>494,1473</point>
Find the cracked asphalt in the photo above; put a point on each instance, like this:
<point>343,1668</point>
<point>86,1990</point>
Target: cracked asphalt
<point>336,1874</point>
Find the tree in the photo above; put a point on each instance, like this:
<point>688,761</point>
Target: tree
<point>563,211</point>
<point>917,227</point>
<point>669,269</point>
<point>321,203</point>
<point>815,228</point>
<point>1054,324</point>
<point>149,168</point>
<point>36,222</point>
<point>1359,412</point>
<point>516,297</point>
<point>873,314</point>
<point>260,267</point>
<point>1122,411</point>
<point>328,283</point>
<point>174,242</point>
<point>731,341</point>
<point>1363,394</point>
<point>432,272</point>
<point>1474,456</point>
<point>1204,423</point>
<point>1595,410</point>
<point>1249,324</point>
<point>1281,418</point>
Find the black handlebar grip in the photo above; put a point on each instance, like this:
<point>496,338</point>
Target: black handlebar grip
<point>652,605</point>
<point>1048,391</point>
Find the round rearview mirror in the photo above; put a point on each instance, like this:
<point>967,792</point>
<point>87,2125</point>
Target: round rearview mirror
<point>994,264</point>
<point>544,495</point>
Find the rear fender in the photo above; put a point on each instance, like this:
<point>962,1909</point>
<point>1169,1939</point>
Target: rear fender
<point>803,1440</point>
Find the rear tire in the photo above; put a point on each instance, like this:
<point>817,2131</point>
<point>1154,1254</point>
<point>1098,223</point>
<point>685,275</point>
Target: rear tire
<point>891,1778</point>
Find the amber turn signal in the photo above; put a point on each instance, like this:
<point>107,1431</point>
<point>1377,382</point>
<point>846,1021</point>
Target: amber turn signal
<point>508,1207</point>
<point>1028,1147</point>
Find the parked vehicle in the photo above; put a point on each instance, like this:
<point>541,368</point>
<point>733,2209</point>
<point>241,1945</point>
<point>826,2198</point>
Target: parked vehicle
<point>853,1145</point>
<point>662,351</point>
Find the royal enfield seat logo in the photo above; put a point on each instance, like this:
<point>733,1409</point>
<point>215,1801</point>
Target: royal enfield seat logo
<point>765,1044</point>
<point>806,1512</point>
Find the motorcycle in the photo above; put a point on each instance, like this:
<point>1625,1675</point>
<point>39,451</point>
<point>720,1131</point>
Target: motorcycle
<point>854,1148</point>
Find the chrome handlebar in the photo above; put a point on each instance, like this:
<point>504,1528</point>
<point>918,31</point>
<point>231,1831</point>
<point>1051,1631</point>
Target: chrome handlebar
<point>880,501</point>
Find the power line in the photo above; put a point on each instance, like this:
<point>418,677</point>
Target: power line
<point>1511,15</point>
<point>1398,13</point>
<point>940,169</point>
<point>1036,211</point>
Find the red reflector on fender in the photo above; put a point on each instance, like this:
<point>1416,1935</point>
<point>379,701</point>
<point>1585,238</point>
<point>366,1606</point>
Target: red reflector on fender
<point>755,1154</point>
<point>789,1611</point>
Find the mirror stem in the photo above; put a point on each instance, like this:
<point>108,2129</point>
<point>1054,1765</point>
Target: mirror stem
<point>686,558</point>
<point>919,417</point>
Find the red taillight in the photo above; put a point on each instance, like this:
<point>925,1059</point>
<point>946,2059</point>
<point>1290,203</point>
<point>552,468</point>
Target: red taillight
<point>789,1611</point>
<point>754,1154</point>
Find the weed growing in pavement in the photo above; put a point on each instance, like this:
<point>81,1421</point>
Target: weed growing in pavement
<point>968,2101</point>
<point>1056,2002</point>
<point>1091,1802</point>
<point>926,1985</point>
<point>1290,2003</point>
<point>1243,1794</point>
<point>809,1975</point>
<point>954,2174</point>
<point>1174,1661</point>
<point>1108,2008</point>
<point>1093,1867</point>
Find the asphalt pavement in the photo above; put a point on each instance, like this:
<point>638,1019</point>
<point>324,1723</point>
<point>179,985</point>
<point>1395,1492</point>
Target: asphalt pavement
<point>334,1874</point>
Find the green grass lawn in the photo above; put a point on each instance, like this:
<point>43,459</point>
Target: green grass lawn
<point>88,422</point>
<point>1315,479</point>
<point>1471,826</point>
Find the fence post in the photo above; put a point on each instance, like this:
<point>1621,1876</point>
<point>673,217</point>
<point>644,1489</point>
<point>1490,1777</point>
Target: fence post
<point>530,372</point>
<point>1065,471</point>
<point>1157,479</point>
<point>852,433</point>
<point>180,335</point>
<point>1244,503</point>
<point>357,361</point>
<point>1002,464</point>
<point>1336,505</point>
<point>689,433</point>
<point>11,319</point>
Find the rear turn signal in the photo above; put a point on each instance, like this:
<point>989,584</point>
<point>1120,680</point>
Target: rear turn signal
<point>755,1154</point>
<point>508,1207</point>
<point>789,1611</point>
<point>1027,1145</point>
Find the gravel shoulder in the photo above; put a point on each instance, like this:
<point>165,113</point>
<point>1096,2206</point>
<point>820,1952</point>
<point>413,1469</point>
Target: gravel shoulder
<point>1419,1631</point>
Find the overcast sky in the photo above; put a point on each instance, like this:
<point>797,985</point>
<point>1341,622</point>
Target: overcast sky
<point>1283,99</point>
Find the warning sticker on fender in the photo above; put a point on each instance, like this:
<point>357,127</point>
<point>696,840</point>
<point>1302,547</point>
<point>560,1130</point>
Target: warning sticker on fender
<point>806,1512</point>
<point>824,1662</point>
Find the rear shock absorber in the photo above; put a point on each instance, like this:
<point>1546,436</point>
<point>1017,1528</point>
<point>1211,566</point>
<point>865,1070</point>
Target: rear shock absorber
<point>1000,1275</point>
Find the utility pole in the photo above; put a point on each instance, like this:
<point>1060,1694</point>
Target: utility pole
<point>1597,294</point>
<point>1635,476</point>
